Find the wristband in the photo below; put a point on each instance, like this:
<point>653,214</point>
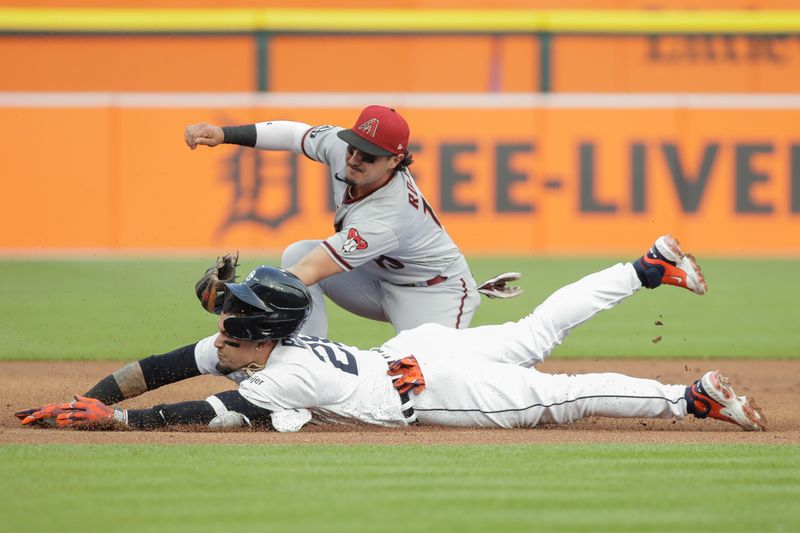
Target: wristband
<point>121,415</point>
<point>241,135</point>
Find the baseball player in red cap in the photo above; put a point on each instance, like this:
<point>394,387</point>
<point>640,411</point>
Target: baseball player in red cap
<point>389,259</point>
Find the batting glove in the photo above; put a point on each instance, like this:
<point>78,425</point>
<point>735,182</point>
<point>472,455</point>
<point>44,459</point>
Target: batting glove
<point>41,416</point>
<point>83,410</point>
<point>407,375</point>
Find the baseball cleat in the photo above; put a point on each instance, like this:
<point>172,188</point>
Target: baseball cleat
<point>498,287</point>
<point>712,395</point>
<point>665,262</point>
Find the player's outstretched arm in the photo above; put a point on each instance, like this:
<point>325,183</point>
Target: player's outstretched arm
<point>129,381</point>
<point>273,135</point>
<point>226,409</point>
<point>147,374</point>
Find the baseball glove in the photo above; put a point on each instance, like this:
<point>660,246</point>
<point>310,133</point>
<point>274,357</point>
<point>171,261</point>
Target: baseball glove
<point>210,288</point>
<point>497,288</point>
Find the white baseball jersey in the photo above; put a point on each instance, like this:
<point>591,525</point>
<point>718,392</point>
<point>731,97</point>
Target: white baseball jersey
<point>478,377</point>
<point>337,383</point>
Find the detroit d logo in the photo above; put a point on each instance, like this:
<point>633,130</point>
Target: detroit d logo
<point>370,127</point>
<point>264,188</point>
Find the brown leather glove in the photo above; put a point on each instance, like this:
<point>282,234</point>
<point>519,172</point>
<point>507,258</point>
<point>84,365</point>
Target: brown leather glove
<point>210,288</point>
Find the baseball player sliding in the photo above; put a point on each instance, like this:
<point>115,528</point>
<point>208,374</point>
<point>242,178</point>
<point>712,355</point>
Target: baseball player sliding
<point>482,377</point>
<point>389,259</point>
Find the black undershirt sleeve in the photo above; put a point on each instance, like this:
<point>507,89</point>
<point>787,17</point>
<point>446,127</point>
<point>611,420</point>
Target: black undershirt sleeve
<point>241,135</point>
<point>106,390</point>
<point>157,370</point>
<point>234,401</point>
<point>177,365</point>
<point>197,412</point>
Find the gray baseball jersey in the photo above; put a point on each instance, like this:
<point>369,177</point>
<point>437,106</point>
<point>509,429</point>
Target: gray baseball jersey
<point>482,377</point>
<point>406,268</point>
<point>392,232</point>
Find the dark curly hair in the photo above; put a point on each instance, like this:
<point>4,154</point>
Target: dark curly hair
<point>405,163</point>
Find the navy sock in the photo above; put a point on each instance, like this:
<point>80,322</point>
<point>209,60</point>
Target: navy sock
<point>649,275</point>
<point>692,407</point>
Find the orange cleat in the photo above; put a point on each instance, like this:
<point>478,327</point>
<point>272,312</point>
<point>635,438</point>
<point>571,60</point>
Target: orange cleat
<point>665,262</point>
<point>712,396</point>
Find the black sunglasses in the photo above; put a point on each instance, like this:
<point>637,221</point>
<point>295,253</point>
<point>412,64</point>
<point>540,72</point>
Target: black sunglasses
<point>365,157</point>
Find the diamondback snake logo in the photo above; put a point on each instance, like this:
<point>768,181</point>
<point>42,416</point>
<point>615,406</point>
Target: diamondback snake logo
<point>354,242</point>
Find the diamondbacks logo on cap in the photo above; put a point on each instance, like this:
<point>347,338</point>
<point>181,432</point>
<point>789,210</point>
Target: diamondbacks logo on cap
<point>370,127</point>
<point>354,241</point>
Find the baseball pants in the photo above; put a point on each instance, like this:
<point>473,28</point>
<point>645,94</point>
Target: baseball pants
<point>483,376</point>
<point>451,303</point>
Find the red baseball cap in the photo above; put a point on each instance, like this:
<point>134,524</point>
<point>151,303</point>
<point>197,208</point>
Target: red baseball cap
<point>378,131</point>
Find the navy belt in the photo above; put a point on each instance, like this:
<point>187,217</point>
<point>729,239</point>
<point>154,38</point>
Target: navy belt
<point>407,406</point>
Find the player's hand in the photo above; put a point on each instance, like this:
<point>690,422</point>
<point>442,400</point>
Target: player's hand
<point>204,134</point>
<point>82,410</point>
<point>407,375</point>
<point>497,288</point>
<point>22,415</point>
<point>45,415</point>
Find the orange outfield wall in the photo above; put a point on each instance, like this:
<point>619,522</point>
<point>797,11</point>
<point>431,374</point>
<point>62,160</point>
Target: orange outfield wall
<point>228,63</point>
<point>511,63</point>
<point>526,180</point>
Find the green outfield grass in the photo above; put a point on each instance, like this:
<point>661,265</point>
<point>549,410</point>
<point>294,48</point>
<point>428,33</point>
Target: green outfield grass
<point>124,309</point>
<point>592,488</point>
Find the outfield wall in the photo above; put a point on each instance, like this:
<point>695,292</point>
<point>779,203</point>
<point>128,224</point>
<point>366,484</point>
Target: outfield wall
<point>693,133</point>
<point>510,63</point>
<point>709,46</point>
<point>566,174</point>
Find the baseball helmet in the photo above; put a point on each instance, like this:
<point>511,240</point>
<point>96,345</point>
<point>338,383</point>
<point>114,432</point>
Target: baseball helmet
<point>270,303</point>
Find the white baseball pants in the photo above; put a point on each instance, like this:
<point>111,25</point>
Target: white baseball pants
<point>483,376</point>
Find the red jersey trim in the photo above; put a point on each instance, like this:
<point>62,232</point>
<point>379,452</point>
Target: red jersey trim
<point>303,144</point>
<point>461,307</point>
<point>338,259</point>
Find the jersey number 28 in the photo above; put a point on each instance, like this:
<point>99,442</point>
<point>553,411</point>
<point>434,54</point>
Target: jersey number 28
<point>332,352</point>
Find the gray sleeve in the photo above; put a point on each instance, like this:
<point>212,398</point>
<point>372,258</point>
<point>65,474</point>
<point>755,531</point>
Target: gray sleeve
<point>323,145</point>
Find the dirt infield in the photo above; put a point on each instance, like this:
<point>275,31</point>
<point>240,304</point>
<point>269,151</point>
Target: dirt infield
<point>775,384</point>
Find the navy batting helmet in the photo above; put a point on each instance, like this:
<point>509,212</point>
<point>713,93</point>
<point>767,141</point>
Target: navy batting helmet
<point>270,303</point>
